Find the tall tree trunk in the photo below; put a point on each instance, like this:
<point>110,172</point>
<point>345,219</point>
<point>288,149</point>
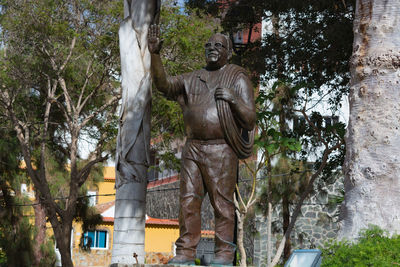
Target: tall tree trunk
<point>240,239</point>
<point>285,226</point>
<point>40,236</point>
<point>133,155</point>
<point>269,216</point>
<point>269,233</point>
<point>372,163</point>
<point>62,233</point>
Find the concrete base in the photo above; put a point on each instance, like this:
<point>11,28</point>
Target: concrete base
<point>147,265</point>
<point>152,265</point>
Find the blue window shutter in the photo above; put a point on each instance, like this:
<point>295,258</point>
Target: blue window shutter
<point>85,239</point>
<point>98,239</point>
<point>90,235</point>
<point>102,239</point>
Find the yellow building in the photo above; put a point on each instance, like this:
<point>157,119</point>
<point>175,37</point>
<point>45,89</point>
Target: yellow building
<point>160,234</point>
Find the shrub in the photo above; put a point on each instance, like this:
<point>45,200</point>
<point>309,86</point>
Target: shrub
<point>373,248</point>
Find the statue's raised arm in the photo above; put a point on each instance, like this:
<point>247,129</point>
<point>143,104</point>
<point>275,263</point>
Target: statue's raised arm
<point>169,86</point>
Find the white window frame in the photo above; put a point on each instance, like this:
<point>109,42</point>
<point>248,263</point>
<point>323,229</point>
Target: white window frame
<point>92,196</point>
<point>107,238</point>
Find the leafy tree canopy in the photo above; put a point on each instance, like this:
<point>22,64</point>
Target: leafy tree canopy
<point>59,85</point>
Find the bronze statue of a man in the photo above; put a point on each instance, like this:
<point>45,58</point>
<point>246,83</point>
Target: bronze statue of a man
<point>209,163</point>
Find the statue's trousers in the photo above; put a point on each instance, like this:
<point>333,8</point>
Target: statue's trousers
<point>207,167</point>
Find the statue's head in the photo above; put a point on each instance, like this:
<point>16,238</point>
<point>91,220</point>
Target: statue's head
<point>218,51</point>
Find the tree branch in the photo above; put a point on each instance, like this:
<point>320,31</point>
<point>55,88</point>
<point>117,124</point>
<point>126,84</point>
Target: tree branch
<point>71,48</point>
<point>84,173</point>
<point>65,113</point>
<point>80,106</point>
<point>50,95</point>
<point>88,76</point>
<point>109,103</point>
<point>68,101</point>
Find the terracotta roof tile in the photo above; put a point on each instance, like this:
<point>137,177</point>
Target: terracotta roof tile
<point>151,220</point>
<point>108,219</point>
<point>163,181</point>
<point>207,233</point>
<point>104,206</point>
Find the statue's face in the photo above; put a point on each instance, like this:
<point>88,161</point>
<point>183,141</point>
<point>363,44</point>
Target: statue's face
<point>216,51</point>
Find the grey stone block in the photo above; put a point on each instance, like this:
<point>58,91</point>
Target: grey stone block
<point>126,237</point>
<point>131,191</point>
<point>124,224</point>
<point>128,208</point>
<point>331,235</point>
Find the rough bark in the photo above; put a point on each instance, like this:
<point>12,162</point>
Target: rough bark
<point>133,145</point>
<point>63,240</point>
<point>286,221</point>
<point>40,236</point>
<point>373,141</point>
<point>240,242</point>
<point>269,232</point>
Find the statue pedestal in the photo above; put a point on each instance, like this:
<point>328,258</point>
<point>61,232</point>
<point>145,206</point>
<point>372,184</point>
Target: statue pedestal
<point>147,265</point>
<point>152,265</point>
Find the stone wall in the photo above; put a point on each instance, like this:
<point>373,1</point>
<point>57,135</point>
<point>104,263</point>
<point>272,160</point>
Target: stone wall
<point>316,224</point>
<point>158,257</point>
<point>92,258</point>
<point>102,258</point>
<point>163,202</point>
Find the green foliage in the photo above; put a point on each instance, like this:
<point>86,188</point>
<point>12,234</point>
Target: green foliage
<point>16,243</point>
<point>3,257</point>
<point>184,33</point>
<point>289,178</point>
<point>374,247</point>
<point>49,255</point>
<point>271,138</point>
<point>16,233</point>
<point>38,36</point>
<point>60,58</point>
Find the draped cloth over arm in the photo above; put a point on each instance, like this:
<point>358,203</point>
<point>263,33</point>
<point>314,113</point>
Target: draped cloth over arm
<point>240,140</point>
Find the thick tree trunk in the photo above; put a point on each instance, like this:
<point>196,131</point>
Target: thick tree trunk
<point>240,239</point>
<point>40,236</point>
<point>285,226</point>
<point>62,233</point>
<point>269,233</point>
<point>372,166</point>
<point>133,155</point>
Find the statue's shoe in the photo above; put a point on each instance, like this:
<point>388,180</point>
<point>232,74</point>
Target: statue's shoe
<point>218,261</point>
<point>181,260</point>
